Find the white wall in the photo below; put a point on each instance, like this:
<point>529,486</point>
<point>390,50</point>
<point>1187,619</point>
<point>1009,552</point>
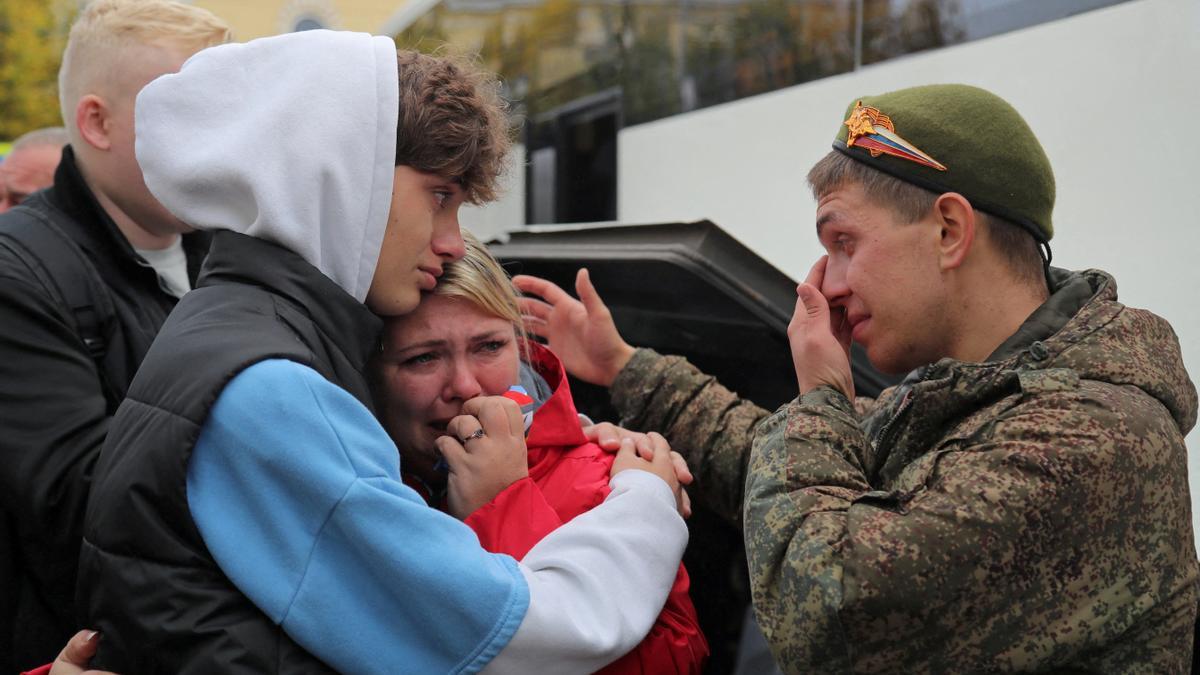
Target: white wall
<point>1113,95</point>
<point>507,213</point>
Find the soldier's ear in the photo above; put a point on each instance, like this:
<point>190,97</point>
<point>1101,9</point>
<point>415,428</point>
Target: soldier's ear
<point>956,220</point>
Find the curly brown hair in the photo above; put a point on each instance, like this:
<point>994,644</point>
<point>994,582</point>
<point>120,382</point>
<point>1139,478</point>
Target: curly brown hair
<point>453,122</point>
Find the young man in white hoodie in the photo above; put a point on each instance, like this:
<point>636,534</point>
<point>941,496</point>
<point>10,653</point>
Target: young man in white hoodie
<point>247,513</point>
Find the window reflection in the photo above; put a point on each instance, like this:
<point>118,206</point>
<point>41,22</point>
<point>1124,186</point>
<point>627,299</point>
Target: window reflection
<point>896,27</point>
<point>665,57</point>
<point>580,70</point>
<point>672,56</point>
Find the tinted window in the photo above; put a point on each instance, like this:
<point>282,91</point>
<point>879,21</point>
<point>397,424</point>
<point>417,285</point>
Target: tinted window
<point>670,56</point>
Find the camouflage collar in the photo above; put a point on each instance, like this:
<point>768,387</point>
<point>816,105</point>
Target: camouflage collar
<point>933,397</point>
<point>1072,290</point>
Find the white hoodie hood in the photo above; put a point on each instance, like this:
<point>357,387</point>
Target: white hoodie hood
<point>290,139</point>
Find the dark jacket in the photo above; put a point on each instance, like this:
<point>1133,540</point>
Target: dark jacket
<point>55,409</point>
<point>146,579</point>
<point>1028,513</point>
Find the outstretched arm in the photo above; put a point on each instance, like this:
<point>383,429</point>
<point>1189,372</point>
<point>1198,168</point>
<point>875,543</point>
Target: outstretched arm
<point>705,422</point>
<point>580,332</point>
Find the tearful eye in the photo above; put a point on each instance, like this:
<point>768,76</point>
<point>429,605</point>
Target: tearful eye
<point>493,345</point>
<point>440,196</point>
<point>419,359</point>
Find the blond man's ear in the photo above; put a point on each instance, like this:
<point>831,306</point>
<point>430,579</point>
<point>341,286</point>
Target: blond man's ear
<point>92,119</point>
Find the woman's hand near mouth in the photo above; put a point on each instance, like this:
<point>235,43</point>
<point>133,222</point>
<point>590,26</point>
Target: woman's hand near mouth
<point>483,464</point>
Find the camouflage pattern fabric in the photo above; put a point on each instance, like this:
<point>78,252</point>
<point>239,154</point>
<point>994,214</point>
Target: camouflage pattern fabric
<point>1029,513</point>
<point>703,420</point>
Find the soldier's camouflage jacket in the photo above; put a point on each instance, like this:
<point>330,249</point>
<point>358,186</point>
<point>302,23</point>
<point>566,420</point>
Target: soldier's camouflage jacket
<point>1029,513</point>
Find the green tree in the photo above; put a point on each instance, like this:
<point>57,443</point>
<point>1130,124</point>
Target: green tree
<point>32,37</point>
<point>892,30</point>
<point>650,71</point>
<point>426,34</point>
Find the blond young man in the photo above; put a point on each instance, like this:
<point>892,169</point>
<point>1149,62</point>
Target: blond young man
<point>89,270</point>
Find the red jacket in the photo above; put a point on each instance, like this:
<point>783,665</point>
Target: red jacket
<point>568,476</point>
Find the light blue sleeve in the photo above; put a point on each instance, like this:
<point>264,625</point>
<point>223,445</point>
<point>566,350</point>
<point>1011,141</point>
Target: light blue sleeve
<point>296,490</point>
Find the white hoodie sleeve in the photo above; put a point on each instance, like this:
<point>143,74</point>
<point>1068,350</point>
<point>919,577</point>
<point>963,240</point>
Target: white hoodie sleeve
<point>597,583</point>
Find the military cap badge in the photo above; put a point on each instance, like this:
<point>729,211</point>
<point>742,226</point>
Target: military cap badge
<point>874,132</point>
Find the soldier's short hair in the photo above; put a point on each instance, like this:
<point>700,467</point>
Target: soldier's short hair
<point>910,203</point>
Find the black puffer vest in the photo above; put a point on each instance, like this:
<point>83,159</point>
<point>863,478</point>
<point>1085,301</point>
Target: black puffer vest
<point>146,579</point>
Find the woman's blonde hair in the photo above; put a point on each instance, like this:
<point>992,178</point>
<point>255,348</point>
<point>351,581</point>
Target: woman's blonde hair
<point>478,278</point>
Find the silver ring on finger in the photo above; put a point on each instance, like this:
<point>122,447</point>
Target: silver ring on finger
<point>478,433</point>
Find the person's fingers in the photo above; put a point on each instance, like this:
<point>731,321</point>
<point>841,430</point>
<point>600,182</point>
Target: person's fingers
<point>452,451</point>
<point>587,293</point>
<point>808,294</point>
<point>497,415</point>
<point>626,454</point>
<point>610,437</point>
<point>516,421</point>
<point>685,503</point>
<point>682,472</point>
<point>604,434</point>
<point>658,441</point>
<point>815,305</point>
<point>799,312</point>
<point>645,447</point>
<point>837,315</point>
<point>626,443</point>
<point>80,648</point>
<point>535,308</point>
<point>547,290</point>
<point>661,449</point>
<point>816,275</point>
<point>535,326</point>
<point>462,426</point>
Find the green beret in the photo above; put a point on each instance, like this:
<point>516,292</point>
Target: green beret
<point>956,138</point>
